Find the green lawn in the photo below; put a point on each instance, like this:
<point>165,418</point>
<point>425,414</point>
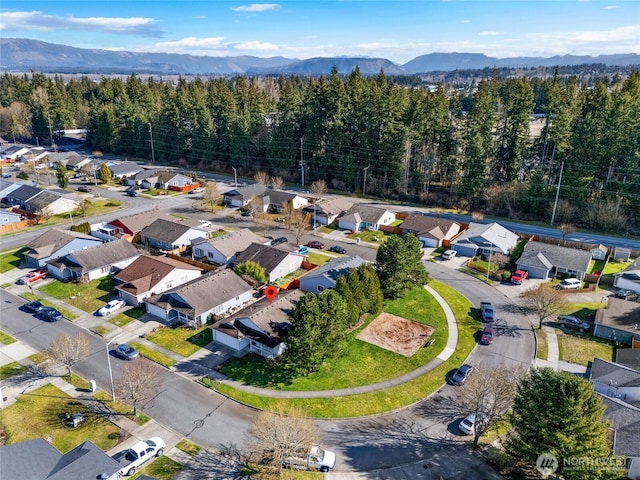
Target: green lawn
<point>154,355</point>
<point>582,348</point>
<point>371,235</point>
<point>183,341</point>
<point>86,296</point>
<point>6,339</point>
<point>162,468</point>
<point>10,259</point>
<point>187,447</point>
<point>39,414</point>
<point>11,369</point>
<point>127,317</point>
<point>318,258</point>
<point>611,268</point>
<point>382,400</point>
<point>362,363</point>
<point>66,313</point>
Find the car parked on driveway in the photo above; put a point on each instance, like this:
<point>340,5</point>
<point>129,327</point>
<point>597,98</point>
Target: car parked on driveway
<point>111,307</point>
<point>624,293</point>
<point>50,314</point>
<point>197,190</point>
<point>337,249</point>
<point>461,375</point>
<point>569,321</point>
<point>126,352</point>
<point>84,188</point>
<point>315,244</point>
<point>468,424</point>
<point>33,276</point>
<point>33,307</point>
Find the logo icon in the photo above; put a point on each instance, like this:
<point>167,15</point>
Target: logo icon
<point>547,463</point>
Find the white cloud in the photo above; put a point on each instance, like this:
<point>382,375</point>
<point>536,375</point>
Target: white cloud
<point>491,34</point>
<point>256,7</point>
<point>257,46</point>
<point>622,34</point>
<point>612,7</point>
<point>36,20</point>
<point>465,21</point>
<point>186,45</point>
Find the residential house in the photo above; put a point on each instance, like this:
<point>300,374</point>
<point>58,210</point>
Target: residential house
<point>242,196</point>
<point>148,276</point>
<point>49,203</point>
<point>147,173</point>
<point>619,321</point>
<point>131,225</point>
<point>75,162</point>
<point>39,460</point>
<point>166,180</point>
<point>543,260</point>
<point>124,169</point>
<point>96,262</point>
<point>54,243</point>
<point>258,328</point>
<point>6,188</point>
<point>277,263</point>
<point>629,278</point>
<point>326,276</point>
<point>167,235</point>
<point>7,217</point>
<point>431,231</point>
<point>481,238</point>
<point>619,387</point>
<point>599,252</point>
<point>13,152</point>
<point>215,293</point>
<point>365,217</point>
<point>222,250</point>
<point>18,196</point>
<point>325,211</point>
<point>273,201</point>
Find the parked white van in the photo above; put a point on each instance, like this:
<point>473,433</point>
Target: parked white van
<point>570,283</point>
<point>449,254</point>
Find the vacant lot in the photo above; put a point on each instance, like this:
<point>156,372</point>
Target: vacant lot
<point>396,334</point>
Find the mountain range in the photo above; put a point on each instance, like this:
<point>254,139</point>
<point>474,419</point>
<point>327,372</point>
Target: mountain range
<point>21,55</point>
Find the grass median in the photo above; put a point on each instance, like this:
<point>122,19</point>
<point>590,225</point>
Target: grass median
<point>382,400</point>
<point>154,355</point>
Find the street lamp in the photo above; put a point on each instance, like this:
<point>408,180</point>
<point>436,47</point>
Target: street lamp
<point>489,263</point>
<point>113,392</point>
<point>235,176</point>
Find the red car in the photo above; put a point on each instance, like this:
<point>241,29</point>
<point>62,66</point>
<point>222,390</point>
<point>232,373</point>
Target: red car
<point>487,336</point>
<point>315,244</point>
<point>33,276</point>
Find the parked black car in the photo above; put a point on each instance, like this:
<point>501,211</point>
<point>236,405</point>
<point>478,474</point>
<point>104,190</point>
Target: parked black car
<point>569,321</point>
<point>50,314</point>
<point>279,240</point>
<point>624,293</point>
<point>33,307</point>
<point>337,249</point>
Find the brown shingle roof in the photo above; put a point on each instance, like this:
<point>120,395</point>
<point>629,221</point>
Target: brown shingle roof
<point>100,256</point>
<point>53,240</point>
<point>422,224</point>
<point>138,221</point>
<point>145,273</point>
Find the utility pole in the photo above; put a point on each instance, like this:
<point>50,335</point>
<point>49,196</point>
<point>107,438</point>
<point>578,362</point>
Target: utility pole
<point>364,181</point>
<point>50,130</point>
<point>555,204</point>
<point>153,156</point>
<point>302,160</point>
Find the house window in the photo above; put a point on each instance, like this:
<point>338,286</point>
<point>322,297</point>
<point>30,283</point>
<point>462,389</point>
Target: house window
<point>320,288</point>
<point>210,254</point>
<point>106,269</point>
<point>169,284</point>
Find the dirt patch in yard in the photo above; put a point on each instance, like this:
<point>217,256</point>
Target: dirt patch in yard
<point>397,334</point>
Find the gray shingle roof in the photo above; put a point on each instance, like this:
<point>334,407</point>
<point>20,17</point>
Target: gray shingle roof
<point>365,213</point>
<point>24,193</point>
<point>248,191</point>
<point>108,253</point>
<point>336,267</point>
<point>53,240</point>
<point>620,314</point>
<point>556,255</point>
<point>137,221</point>
<point>629,357</point>
<point>125,168</point>
<point>266,256</point>
<point>609,373</point>
<point>42,200</point>
<point>277,197</point>
<point>424,225</point>
<point>203,293</point>
<point>626,424</point>
<point>38,460</point>
<point>234,242</point>
<point>165,230</point>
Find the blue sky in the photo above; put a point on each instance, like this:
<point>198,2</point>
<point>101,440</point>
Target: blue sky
<point>397,30</point>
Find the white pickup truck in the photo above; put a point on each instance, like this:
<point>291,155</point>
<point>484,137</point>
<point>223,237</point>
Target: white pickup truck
<point>138,454</point>
<point>315,459</point>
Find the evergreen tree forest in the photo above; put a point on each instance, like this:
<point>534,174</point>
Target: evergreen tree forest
<point>469,148</point>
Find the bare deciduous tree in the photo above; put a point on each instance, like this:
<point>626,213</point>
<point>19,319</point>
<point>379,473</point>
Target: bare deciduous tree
<point>489,392</point>
<point>262,177</point>
<point>83,206</point>
<point>277,183</point>
<point>139,382</point>
<point>298,223</point>
<point>566,229</point>
<point>544,302</point>
<point>275,436</point>
<point>477,216</point>
<point>211,193</point>
<point>319,187</point>
<point>67,350</point>
<point>565,211</point>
